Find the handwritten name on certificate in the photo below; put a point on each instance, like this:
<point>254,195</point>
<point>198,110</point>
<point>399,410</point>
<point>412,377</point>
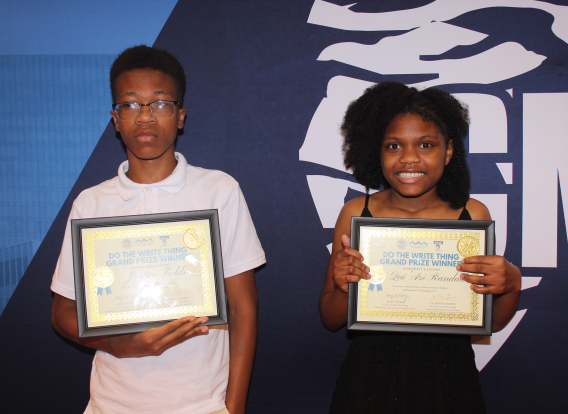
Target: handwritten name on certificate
<point>414,277</point>
<point>148,272</point>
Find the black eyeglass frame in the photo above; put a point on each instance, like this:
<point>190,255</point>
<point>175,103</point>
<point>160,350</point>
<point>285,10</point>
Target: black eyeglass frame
<point>115,109</point>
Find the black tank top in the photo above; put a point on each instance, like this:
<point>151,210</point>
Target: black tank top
<point>389,372</point>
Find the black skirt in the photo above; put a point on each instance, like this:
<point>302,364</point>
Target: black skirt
<point>408,373</point>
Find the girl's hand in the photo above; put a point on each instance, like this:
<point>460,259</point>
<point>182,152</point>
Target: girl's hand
<point>347,266</point>
<point>501,276</point>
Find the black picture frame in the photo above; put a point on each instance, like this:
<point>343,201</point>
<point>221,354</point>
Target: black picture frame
<point>79,225</point>
<point>354,324</point>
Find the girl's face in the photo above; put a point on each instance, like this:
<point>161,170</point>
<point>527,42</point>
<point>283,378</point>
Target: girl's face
<point>414,154</point>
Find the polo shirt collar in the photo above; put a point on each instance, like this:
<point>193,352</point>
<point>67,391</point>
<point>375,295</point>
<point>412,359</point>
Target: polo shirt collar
<point>172,184</point>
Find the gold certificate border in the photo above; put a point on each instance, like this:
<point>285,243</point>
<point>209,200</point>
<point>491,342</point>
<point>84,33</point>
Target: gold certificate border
<point>365,248</point>
<point>149,314</point>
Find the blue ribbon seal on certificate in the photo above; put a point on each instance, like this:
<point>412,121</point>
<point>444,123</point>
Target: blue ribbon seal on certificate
<point>378,276</point>
<point>107,290</point>
<point>103,278</point>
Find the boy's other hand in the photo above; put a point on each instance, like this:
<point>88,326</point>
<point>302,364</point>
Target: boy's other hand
<point>155,341</point>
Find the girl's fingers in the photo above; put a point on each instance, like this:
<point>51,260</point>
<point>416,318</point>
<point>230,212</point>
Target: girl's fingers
<point>493,284</point>
<point>483,259</point>
<point>350,275</point>
<point>481,289</point>
<point>342,261</point>
<point>352,262</point>
<point>348,266</point>
<point>351,252</point>
<point>477,268</point>
<point>475,280</point>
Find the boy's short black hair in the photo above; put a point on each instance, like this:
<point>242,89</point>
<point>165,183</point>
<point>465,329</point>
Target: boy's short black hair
<point>145,57</point>
<point>366,121</point>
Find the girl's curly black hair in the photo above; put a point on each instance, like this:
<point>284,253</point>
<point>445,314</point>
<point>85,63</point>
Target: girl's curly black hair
<point>367,118</point>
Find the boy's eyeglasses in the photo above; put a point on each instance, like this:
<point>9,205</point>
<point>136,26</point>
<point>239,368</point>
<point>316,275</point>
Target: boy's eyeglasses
<point>129,111</point>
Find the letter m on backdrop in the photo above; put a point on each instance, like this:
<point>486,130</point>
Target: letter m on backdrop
<point>545,162</point>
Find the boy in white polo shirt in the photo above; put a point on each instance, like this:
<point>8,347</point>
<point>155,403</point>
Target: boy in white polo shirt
<point>182,367</point>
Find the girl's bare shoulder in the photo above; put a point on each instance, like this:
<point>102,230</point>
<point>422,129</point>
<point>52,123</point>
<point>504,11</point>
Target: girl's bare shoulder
<point>354,207</point>
<point>477,210</point>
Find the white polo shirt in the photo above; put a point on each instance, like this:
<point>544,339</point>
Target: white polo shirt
<point>190,377</point>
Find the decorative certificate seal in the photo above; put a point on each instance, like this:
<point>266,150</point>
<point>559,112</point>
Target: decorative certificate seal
<point>193,238</point>
<point>103,278</point>
<point>378,275</point>
<point>468,246</point>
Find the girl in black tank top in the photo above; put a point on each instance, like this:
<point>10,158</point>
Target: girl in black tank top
<point>414,372</point>
<point>411,144</point>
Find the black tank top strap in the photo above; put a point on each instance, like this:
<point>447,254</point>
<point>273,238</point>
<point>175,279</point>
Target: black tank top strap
<point>465,215</point>
<point>366,212</point>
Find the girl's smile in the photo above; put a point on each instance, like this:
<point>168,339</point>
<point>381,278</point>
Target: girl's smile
<point>410,177</point>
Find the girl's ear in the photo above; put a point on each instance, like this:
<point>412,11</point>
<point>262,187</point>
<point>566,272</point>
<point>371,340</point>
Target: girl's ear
<point>449,151</point>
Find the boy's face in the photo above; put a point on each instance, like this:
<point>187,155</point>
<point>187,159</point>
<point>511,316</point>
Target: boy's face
<point>147,137</point>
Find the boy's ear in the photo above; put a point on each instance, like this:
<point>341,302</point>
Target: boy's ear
<point>115,120</point>
<point>181,118</point>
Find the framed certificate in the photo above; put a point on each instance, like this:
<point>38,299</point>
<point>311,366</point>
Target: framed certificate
<point>414,285</point>
<point>133,273</point>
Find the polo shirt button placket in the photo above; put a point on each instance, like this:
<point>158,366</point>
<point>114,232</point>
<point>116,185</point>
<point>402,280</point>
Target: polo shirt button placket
<point>150,200</point>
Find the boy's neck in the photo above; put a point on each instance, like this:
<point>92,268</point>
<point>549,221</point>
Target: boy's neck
<point>150,171</point>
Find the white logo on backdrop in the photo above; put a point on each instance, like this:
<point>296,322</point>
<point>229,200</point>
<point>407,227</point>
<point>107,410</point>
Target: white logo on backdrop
<point>427,34</point>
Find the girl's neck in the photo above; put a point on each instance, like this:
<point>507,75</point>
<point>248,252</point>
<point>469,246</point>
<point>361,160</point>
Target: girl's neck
<point>429,205</point>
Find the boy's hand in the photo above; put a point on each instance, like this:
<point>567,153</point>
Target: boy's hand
<point>151,342</point>
<point>348,266</point>
<point>155,341</point>
<point>501,276</point>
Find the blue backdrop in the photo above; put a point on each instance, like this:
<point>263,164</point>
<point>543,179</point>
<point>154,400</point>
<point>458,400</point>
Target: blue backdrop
<point>256,91</point>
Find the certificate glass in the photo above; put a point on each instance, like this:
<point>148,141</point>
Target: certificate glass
<point>137,272</point>
<point>414,285</point>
